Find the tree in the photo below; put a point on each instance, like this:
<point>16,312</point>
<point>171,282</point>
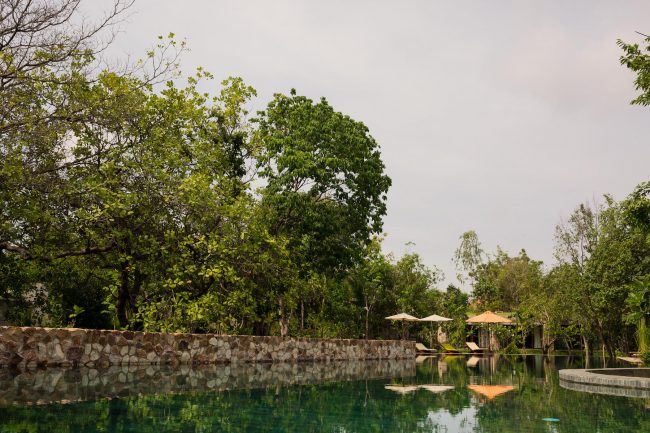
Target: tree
<point>637,207</point>
<point>621,255</point>
<point>602,254</point>
<point>575,239</point>
<point>636,211</point>
<point>553,306</point>
<point>372,281</point>
<point>455,304</point>
<point>637,59</point>
<point>638,306</point>
<point>325,183</point>
<point>468,256</point>
<point>504,282</point>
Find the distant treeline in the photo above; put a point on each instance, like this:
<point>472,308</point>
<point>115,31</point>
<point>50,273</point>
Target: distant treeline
<point>596,297</point>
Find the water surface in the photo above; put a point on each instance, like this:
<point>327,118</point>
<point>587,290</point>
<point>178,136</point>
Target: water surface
<point>441,394</point>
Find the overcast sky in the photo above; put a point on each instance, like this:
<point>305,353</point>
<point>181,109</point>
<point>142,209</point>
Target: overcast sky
<point>494,116</point>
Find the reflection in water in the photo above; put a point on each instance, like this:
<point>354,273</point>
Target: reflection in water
<point>607,390</point>
<point>436,388</point>
<point>490,391</point>
<point>348,397</point>
<point>402,389</point>
<point>74,385</point>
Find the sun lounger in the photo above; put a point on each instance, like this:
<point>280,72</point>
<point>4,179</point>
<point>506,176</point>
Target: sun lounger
<point>421,349</point>
<point>448,348</point>
<point>474,347</point>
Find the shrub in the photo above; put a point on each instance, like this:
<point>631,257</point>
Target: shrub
<point>645,357</point>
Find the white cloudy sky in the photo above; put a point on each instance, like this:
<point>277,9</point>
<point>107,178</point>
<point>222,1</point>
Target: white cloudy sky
<point>494,116</point>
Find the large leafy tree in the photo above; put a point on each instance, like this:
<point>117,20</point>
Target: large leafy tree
<point>636,211</point>
<point>503,282</point>
<point>372,280</point>
<point>468,257</point>
<point>325,180</point>
<point>575,240</point>
<point>636,57</point>
<point>601,254</point>
<point>325,186</point>
<point>454,305</point>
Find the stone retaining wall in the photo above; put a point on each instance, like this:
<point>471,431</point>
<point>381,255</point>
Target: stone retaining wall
<point>65,347</point>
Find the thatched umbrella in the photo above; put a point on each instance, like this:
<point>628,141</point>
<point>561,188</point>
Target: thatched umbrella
<point>488,318</point>
<point>402,317</point>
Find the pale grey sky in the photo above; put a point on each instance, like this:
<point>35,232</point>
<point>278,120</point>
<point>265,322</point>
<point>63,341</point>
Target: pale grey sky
<point>494,116</point>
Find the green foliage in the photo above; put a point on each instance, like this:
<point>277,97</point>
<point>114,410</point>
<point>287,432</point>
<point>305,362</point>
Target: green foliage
<point>638,307</point>
<point>511,348</point>
<point>455,304</point>
<point>325,184</point>
<point>131,204</point>
<point>637,59</point>
<point>645,357</point>
<point>597,292</point>
<point>504,282</point>
<point>468,256</point>
<point>637,206</point>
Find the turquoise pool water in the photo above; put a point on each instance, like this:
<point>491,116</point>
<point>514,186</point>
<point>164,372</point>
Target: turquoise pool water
<point>453,394</point>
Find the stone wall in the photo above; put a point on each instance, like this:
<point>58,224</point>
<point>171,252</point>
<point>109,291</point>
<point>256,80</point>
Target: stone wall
<point>65,347</point>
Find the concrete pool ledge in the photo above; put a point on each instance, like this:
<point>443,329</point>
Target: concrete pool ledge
<point>629,382</point>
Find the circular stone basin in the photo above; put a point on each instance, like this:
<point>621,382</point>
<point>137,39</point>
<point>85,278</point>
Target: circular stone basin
<point>628,382</point>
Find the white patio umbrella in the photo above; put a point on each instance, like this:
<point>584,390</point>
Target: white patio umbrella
<point>434,318</point>
<point>402,317</point>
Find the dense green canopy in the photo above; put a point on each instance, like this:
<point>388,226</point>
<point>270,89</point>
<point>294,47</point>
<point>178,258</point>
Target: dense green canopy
<point>132,198</point>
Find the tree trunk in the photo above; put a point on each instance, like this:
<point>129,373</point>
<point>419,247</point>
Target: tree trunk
<point>127,296</point>
<point>604,344</point>
<point>123,296</point>
<point>643,334</point>
<point>138,280</point>
<point>302,315</point>
<point>284,326</point>
<point>367,318</point>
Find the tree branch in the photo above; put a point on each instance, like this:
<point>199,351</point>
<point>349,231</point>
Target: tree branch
<point>25,254</point>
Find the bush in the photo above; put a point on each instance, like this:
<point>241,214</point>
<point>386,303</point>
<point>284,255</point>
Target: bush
<point>645,357</point>
<point>511,349</point>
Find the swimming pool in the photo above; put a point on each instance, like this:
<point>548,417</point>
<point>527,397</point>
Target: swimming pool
<point>439,394</point>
